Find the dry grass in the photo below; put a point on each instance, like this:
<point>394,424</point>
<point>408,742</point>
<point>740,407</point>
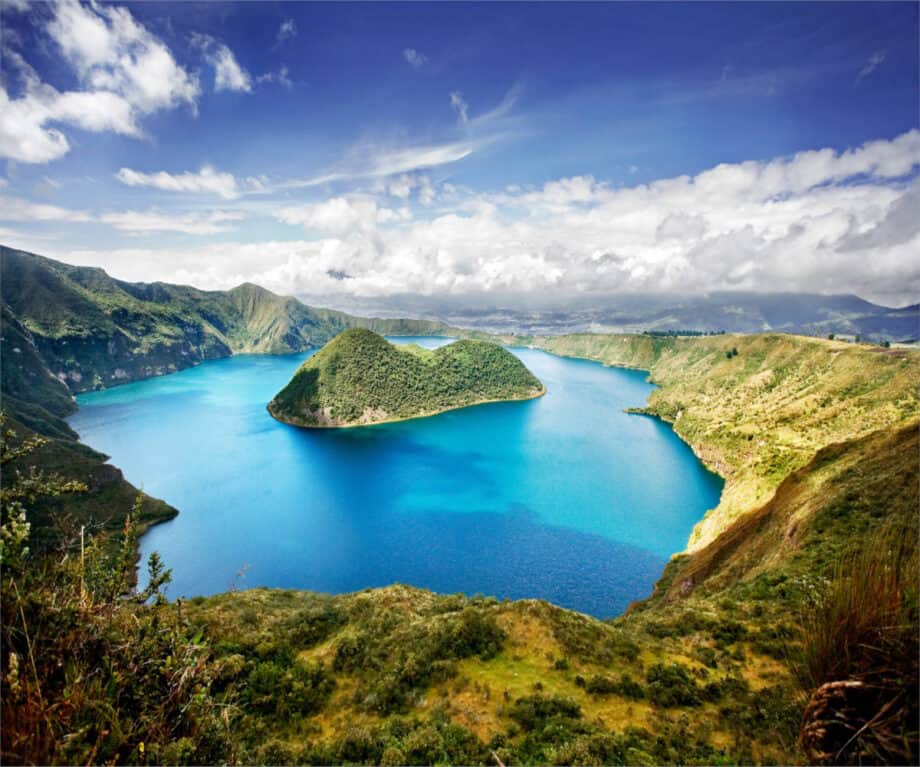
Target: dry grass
<point>860,655</point>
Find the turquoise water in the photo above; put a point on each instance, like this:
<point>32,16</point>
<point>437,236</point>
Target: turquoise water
<point>564,498</point>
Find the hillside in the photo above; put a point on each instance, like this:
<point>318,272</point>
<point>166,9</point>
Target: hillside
<point>756,408</point>
<point>360,378</point>
<point>92,331</point>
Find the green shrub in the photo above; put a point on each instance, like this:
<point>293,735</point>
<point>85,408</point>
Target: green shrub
<point>537,711</point>
<point>671,685</point>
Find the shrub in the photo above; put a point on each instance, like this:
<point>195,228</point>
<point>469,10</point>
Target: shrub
<point>537,711</point>
<point>671,685</point>
<point>600,685</point>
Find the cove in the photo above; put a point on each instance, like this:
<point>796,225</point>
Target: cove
<point>564,498</point>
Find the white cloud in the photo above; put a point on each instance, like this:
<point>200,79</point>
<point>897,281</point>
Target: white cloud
<point>110,51</point>
<point>18,6</point>
<point>341,216</point>
<point>207,180</point>
<point>281,77</point>
<point>460,106</point>
<point>125,73</point>
<point>228,74</point>
<point>821,221</point>
<point>872,63</point>
<point>376,162</point>
<point>415,58</point>
<point>287,31</point>
<point>16,209</point>
<point>132,221</point>
<point>146,222</point>
<point>368,162</point>
<point>388,163</point>
<point>401,186</point>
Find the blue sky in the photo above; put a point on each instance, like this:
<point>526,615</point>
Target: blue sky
<point>384,148</point>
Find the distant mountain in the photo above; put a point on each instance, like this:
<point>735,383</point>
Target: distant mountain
<point>71,328</point>
<point>360,378</point>
<point>738,312</point>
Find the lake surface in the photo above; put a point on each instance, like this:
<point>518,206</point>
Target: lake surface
<point>565,498</point>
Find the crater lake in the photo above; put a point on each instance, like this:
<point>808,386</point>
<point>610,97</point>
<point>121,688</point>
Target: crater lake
<point>564,498</point>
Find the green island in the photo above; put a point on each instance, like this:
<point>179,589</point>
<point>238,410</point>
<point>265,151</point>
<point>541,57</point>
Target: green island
<point>360,378</point>
<point>785,633</point>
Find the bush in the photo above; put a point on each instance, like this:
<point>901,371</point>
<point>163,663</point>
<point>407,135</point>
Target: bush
<point>671,685</point>
<point>535,712</point>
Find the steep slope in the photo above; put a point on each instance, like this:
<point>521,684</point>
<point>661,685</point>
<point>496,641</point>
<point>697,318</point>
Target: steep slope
<point>28,390</point>
<point>102,508</point>
<point>361,378</point>
<point>93,331</point>
<point>756,408</point>
<point>818,514</point>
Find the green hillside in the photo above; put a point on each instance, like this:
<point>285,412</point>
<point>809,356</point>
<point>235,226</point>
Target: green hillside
<point>361,378</point>
<point>756,408</point>
<point>93,331</point>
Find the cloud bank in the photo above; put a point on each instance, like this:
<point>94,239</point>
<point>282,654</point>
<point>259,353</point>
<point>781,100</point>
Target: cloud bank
<point>820,221</point>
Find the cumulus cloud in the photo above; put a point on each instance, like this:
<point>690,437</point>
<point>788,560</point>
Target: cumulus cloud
<point>228,74</point>
<point>124,71</point>
<point>206,180</point>
<point>341,216</point>
<point>415,58</point>
<point>823,221</point>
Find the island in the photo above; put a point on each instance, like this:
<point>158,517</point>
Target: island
<point>360,378</point>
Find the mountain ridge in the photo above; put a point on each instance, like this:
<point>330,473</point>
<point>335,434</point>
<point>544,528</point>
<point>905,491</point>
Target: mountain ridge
<point>89,330</point>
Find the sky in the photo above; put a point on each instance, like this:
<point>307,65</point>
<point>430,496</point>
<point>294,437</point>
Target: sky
<point>443,149</point>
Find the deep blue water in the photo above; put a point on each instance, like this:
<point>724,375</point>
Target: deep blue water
<point>565,497</point>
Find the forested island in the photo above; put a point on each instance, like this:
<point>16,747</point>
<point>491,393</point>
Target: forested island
<point>360,378</point>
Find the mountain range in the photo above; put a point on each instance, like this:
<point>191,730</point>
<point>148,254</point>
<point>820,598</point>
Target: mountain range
<point>73,329</point>
<point>735,312</point>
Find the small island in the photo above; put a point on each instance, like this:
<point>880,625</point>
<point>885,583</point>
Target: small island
<point>360,378</point>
